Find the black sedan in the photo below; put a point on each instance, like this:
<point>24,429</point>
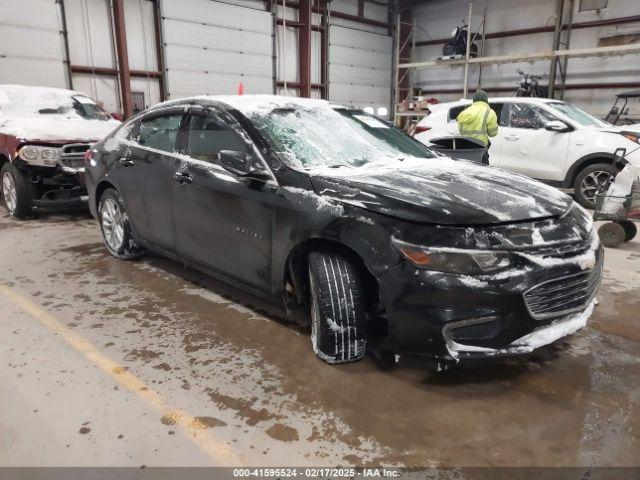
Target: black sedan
<point>349,226</point>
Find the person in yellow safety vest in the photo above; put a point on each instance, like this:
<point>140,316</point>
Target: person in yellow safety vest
<point>479,121</point>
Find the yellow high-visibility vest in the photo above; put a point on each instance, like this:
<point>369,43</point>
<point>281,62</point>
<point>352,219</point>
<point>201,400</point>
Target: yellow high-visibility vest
<point>478,121</point>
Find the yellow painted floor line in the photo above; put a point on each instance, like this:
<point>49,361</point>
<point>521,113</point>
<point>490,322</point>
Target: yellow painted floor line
<point>217,450</point>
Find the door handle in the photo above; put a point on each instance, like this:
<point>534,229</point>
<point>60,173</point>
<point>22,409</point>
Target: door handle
<point>126,161</point>
<point>512,137</point>
<point>182,177</point>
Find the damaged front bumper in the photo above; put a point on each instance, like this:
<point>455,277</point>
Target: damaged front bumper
<point>457,318</point>
<point>522,346</point>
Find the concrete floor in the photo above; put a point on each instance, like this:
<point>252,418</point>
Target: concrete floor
<point>105,362</point>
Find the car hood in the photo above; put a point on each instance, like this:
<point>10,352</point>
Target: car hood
<point>441,191</point>
<point>56,128</point>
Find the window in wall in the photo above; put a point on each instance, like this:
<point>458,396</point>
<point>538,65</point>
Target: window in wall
<point>591,5</point>
<point>208,136</point>
<point>138,102</point>
<point>160,132</point>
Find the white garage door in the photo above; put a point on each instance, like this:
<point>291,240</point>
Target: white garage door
<point>360,67</point>
<point>31,45</point>
<point>209,49</point>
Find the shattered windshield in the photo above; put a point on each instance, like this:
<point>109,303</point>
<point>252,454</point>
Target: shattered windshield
<point>332,137</point>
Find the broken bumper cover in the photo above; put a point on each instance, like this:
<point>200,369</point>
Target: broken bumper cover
<point>456,317</point>
<point>525,345</point>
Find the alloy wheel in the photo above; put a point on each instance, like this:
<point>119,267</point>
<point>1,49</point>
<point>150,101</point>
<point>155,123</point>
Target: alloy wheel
<point>112,224</point>
<point>9,192</point>
<point>594,183</point>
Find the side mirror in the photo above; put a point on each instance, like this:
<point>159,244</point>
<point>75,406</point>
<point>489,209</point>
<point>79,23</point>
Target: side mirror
<point>557,126</point>
<point>243,165</point>
<point>234,162</point>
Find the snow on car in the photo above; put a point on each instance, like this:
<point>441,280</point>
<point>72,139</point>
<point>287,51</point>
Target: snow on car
<point>549,140</point>
<point>349,226</point>
<point>44,134</point>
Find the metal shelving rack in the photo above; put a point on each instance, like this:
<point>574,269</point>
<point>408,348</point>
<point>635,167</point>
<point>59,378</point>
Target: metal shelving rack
<point>555,56</point>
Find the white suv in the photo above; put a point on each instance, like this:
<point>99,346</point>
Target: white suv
<point>549,140</point>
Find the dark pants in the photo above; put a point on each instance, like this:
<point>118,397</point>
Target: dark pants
<point>485,157</point>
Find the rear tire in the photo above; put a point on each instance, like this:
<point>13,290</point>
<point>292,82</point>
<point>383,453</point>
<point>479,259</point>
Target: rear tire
<point>611,234</point>
<point>17,191</point>
<point>630,230</point>
<point>588,182</point>
<point>338,317</point>
<point>115,227</point>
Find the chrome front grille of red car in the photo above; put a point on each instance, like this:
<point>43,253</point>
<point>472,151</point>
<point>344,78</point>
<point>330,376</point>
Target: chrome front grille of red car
<point>72,156</point>
<point>565,295</point>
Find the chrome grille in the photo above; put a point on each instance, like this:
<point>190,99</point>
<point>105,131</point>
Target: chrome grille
<point>564,295</point>
<point>72,157</point>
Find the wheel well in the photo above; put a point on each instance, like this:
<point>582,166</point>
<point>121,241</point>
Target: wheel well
<point>102,186</point>
<point>296,278</point>
<point>583,163</point>
<point>3,159</point>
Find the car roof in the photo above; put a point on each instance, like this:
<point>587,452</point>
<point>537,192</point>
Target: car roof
<point>30,90</point>
<point>248,104</point>
<point>464,101</point>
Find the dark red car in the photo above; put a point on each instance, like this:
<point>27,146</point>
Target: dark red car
<point>44,134</point>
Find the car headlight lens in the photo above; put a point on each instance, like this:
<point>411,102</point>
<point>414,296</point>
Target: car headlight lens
<point>453,260</point>
<point>634,137</point>
<point>37,155</point>
<point>29,153</point>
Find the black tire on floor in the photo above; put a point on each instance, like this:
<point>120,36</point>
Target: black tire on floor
<point>598,171</point>
<point>338,317</point>
<point>611,234</point>
<point>127,247</point>
<point>630,229</point>
<point>25,191</point>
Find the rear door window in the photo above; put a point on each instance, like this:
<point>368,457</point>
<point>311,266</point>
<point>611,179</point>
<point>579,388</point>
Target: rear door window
<point>523,115</point>
<point>207,135</point>
<point>160,132</point>
<point>455,111</point>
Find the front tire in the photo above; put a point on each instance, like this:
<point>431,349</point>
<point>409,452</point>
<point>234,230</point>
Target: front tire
<point>338,316</point>
<point>115,227</point>
<point>17,191</point>
<point>590,181</point>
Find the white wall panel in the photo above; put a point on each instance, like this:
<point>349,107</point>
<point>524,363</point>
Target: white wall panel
<point>210,47</point>
<point>102,89</point>
<point>90,39</point>
<point>360,67</point>
<point>141,40</point>
<point>31,46</point>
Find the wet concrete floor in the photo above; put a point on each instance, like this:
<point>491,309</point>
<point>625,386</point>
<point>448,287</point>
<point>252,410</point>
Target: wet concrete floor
<point>251,387</point>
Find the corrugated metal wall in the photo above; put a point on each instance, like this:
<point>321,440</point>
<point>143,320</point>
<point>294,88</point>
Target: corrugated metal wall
<point>31,46</point>
<point>211,47</point>
<point>360,66</point>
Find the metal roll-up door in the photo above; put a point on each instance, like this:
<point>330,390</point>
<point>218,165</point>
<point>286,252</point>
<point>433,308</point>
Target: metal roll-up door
<point>360,67</point>
<point>31,43</point>
<point>210,47</point>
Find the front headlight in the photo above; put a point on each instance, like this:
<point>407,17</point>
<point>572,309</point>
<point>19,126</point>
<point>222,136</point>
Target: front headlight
<point>454,260</point>
<point>41,156</point>
<point>634,137</point>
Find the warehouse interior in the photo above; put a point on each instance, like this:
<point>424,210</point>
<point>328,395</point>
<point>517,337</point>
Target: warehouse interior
<point>156,363</point>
